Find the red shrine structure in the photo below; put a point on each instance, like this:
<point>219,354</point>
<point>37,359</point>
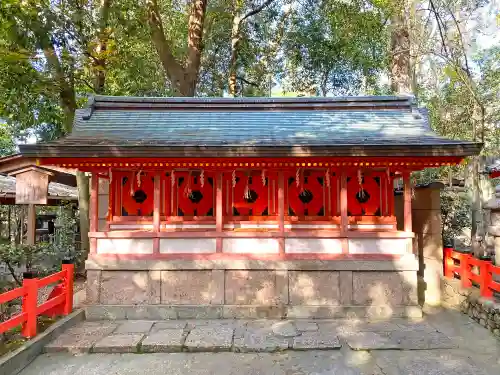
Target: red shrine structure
<point>251,207</point>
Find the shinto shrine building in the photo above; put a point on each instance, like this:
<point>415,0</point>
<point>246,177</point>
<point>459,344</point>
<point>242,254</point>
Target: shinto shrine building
<point>251,207</point>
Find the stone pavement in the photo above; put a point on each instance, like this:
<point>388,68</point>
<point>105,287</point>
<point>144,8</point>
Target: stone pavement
<point>444,343</point>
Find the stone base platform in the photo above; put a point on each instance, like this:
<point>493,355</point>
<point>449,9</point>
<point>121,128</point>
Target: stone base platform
<point>163,312</point>
<point>250,289</point>
<point>265,335</point>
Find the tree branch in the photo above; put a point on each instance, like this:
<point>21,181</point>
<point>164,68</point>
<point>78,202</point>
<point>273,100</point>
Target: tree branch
<point>259,9</point>
<point>246,81</point>
<point>171,66</point>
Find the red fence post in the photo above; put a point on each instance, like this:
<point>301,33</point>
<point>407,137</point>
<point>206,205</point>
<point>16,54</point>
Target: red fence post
<point>448,262</point>
<point>465,270</point>
<point>68,286</point>
<point>30,304</point>
<point>486,279</point>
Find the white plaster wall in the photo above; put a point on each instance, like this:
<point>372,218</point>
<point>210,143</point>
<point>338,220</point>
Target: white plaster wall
<point>250,245</point>
<point>131,226</point>
<point>371,226</point>
<point>124,246</point>
<point>378,245</point>
<point>187,245</point>
<point>251,225</point>
<point>313,245</point>
<point>312,226</point>
<point>188,226</point>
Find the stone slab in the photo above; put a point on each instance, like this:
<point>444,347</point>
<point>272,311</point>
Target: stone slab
<point>260,342</point>
<point>169,324</point>
<point>209,338</point>
<point>164,341</point>
<point>134,326</point>
<point>289,363</point>
<point>371,341</point>
<point>399,340</point>
<point>315,341</point>
<point>419,340</point>
<point>306,326</point>
<point>427,362</point>
<point>125,343</point>
<point>81,338</point>
<point>285,328</point>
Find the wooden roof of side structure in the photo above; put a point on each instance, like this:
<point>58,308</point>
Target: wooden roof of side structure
<point>133,127</point>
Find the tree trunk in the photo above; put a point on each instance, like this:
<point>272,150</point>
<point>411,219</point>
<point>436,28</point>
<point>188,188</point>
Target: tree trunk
<point>400,53</point>
<point>183,77</point>
<point>83,207</point>
<point>235,41</point>
<point>101,48</point>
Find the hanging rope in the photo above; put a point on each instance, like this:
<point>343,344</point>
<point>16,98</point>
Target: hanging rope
<point>263,175</point>
<point>187,189</point>
<point>360,182</point>
<point>202,178</point>
<point>172,178</point>
<point>139,175</point>
<point>297,178</point>
<point>246,193</point>
<point>233,178</point>
<point>327,178</point>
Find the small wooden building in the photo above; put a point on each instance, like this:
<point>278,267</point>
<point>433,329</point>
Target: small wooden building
<point>212,207</point>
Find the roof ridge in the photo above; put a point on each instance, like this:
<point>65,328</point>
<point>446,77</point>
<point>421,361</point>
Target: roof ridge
<point>96,99</point>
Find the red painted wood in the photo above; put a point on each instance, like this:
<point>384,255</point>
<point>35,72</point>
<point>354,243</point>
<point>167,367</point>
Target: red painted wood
<point>69,269</point>
<point>227,256</point>
<point>186,181</point>
<point>29,294</point>
<point>228,164</point>
<point>253,234</point>
<point>281,211</point>
<point>157,202</point>
<point>29,307</point>
<point>407,203</point>
<point>11,294</point>
<point>219,207</point>
<point>130,188</point>
<point>344,220</point>
<point>54,278</point>
<point>94,205</point>
<point>111,199</point>
<point>310,188</point>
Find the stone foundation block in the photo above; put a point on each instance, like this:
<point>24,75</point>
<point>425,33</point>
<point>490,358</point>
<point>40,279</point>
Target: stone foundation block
<point>248,287</point>
<point>316,288</point>
<point>192,287</point>
<point>124,287</point>
<point>377,288</point>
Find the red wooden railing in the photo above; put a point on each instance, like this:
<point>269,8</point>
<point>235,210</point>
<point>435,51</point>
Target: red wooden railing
<point>471,270</point>
<point>60,301</point>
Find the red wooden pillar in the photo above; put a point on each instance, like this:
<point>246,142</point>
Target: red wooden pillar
<point>111,197</point>
<point>281,212</point>
<point>219,218</point>
<point>407,202</point>
<point>344,218</point>
<point>156,212</point>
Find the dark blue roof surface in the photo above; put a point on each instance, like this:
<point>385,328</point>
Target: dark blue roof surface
<point>252,122</point>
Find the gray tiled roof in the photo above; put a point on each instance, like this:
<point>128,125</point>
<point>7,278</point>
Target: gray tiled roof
<point>56,190</point>
<point>112,123</point>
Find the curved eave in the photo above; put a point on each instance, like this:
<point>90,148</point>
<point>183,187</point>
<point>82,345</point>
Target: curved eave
<point>137,151</point>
